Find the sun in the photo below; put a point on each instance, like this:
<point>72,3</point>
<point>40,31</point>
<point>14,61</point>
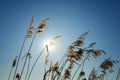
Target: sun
<point>49,44</point>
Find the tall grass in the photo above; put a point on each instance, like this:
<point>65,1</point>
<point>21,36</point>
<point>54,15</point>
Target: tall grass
<point>72,64</point>
<point>28,35</point>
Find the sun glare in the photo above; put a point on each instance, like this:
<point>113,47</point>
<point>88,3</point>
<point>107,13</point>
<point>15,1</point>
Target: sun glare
<point>50,44</point>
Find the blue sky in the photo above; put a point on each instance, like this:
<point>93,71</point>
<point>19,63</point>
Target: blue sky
<point>69,18</point>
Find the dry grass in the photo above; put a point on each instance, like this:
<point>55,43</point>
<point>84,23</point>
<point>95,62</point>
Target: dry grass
<point>76,55</point>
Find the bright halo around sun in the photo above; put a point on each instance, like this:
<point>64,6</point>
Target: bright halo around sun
<point>50,44</point>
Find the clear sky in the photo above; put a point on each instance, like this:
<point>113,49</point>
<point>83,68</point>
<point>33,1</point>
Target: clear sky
<point>69,18</point>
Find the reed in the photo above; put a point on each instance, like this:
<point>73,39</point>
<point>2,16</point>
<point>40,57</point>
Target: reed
<point>72,64</point>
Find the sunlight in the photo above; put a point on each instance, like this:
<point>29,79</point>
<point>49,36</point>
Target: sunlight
<point>50,44</point>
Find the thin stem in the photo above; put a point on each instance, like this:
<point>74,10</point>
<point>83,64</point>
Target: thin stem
<point>80,66</point>
<point>31,23</point>
<point>52,75</point>
<point>35,63</point>
<point>62,59</point>
<point>27,56</point>
<point>78,78</point>
<point>10,73</point>
<point>45,69</point>
<point>62,67</point>
<point>63,77</point>
<point>45,72</point>
<point>83,63</point>
<point>76,71</point>
<point>27,69</point>
<point>19,57</point>
<point>49,76</point>
<point>118,75</point>
<point>44,78</point>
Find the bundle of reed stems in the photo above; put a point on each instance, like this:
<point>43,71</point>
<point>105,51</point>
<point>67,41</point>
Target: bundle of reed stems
<point>74,59</point>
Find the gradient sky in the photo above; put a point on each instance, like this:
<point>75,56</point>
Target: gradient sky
<point>69,18</point>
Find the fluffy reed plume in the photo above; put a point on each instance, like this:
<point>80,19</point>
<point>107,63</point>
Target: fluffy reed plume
<point>87,56</point>
<point>30,29</point>
<point>108,64</point>
<point>28,35</point>
<point>75,54</point>
<point>13,65</point>
<point>80,41</point>
<point>106,67</point>
<point>72,52</point>
<point>83,53</point>
<point>18,76</point>
<point>95,53</point>
<point>42,25</point>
